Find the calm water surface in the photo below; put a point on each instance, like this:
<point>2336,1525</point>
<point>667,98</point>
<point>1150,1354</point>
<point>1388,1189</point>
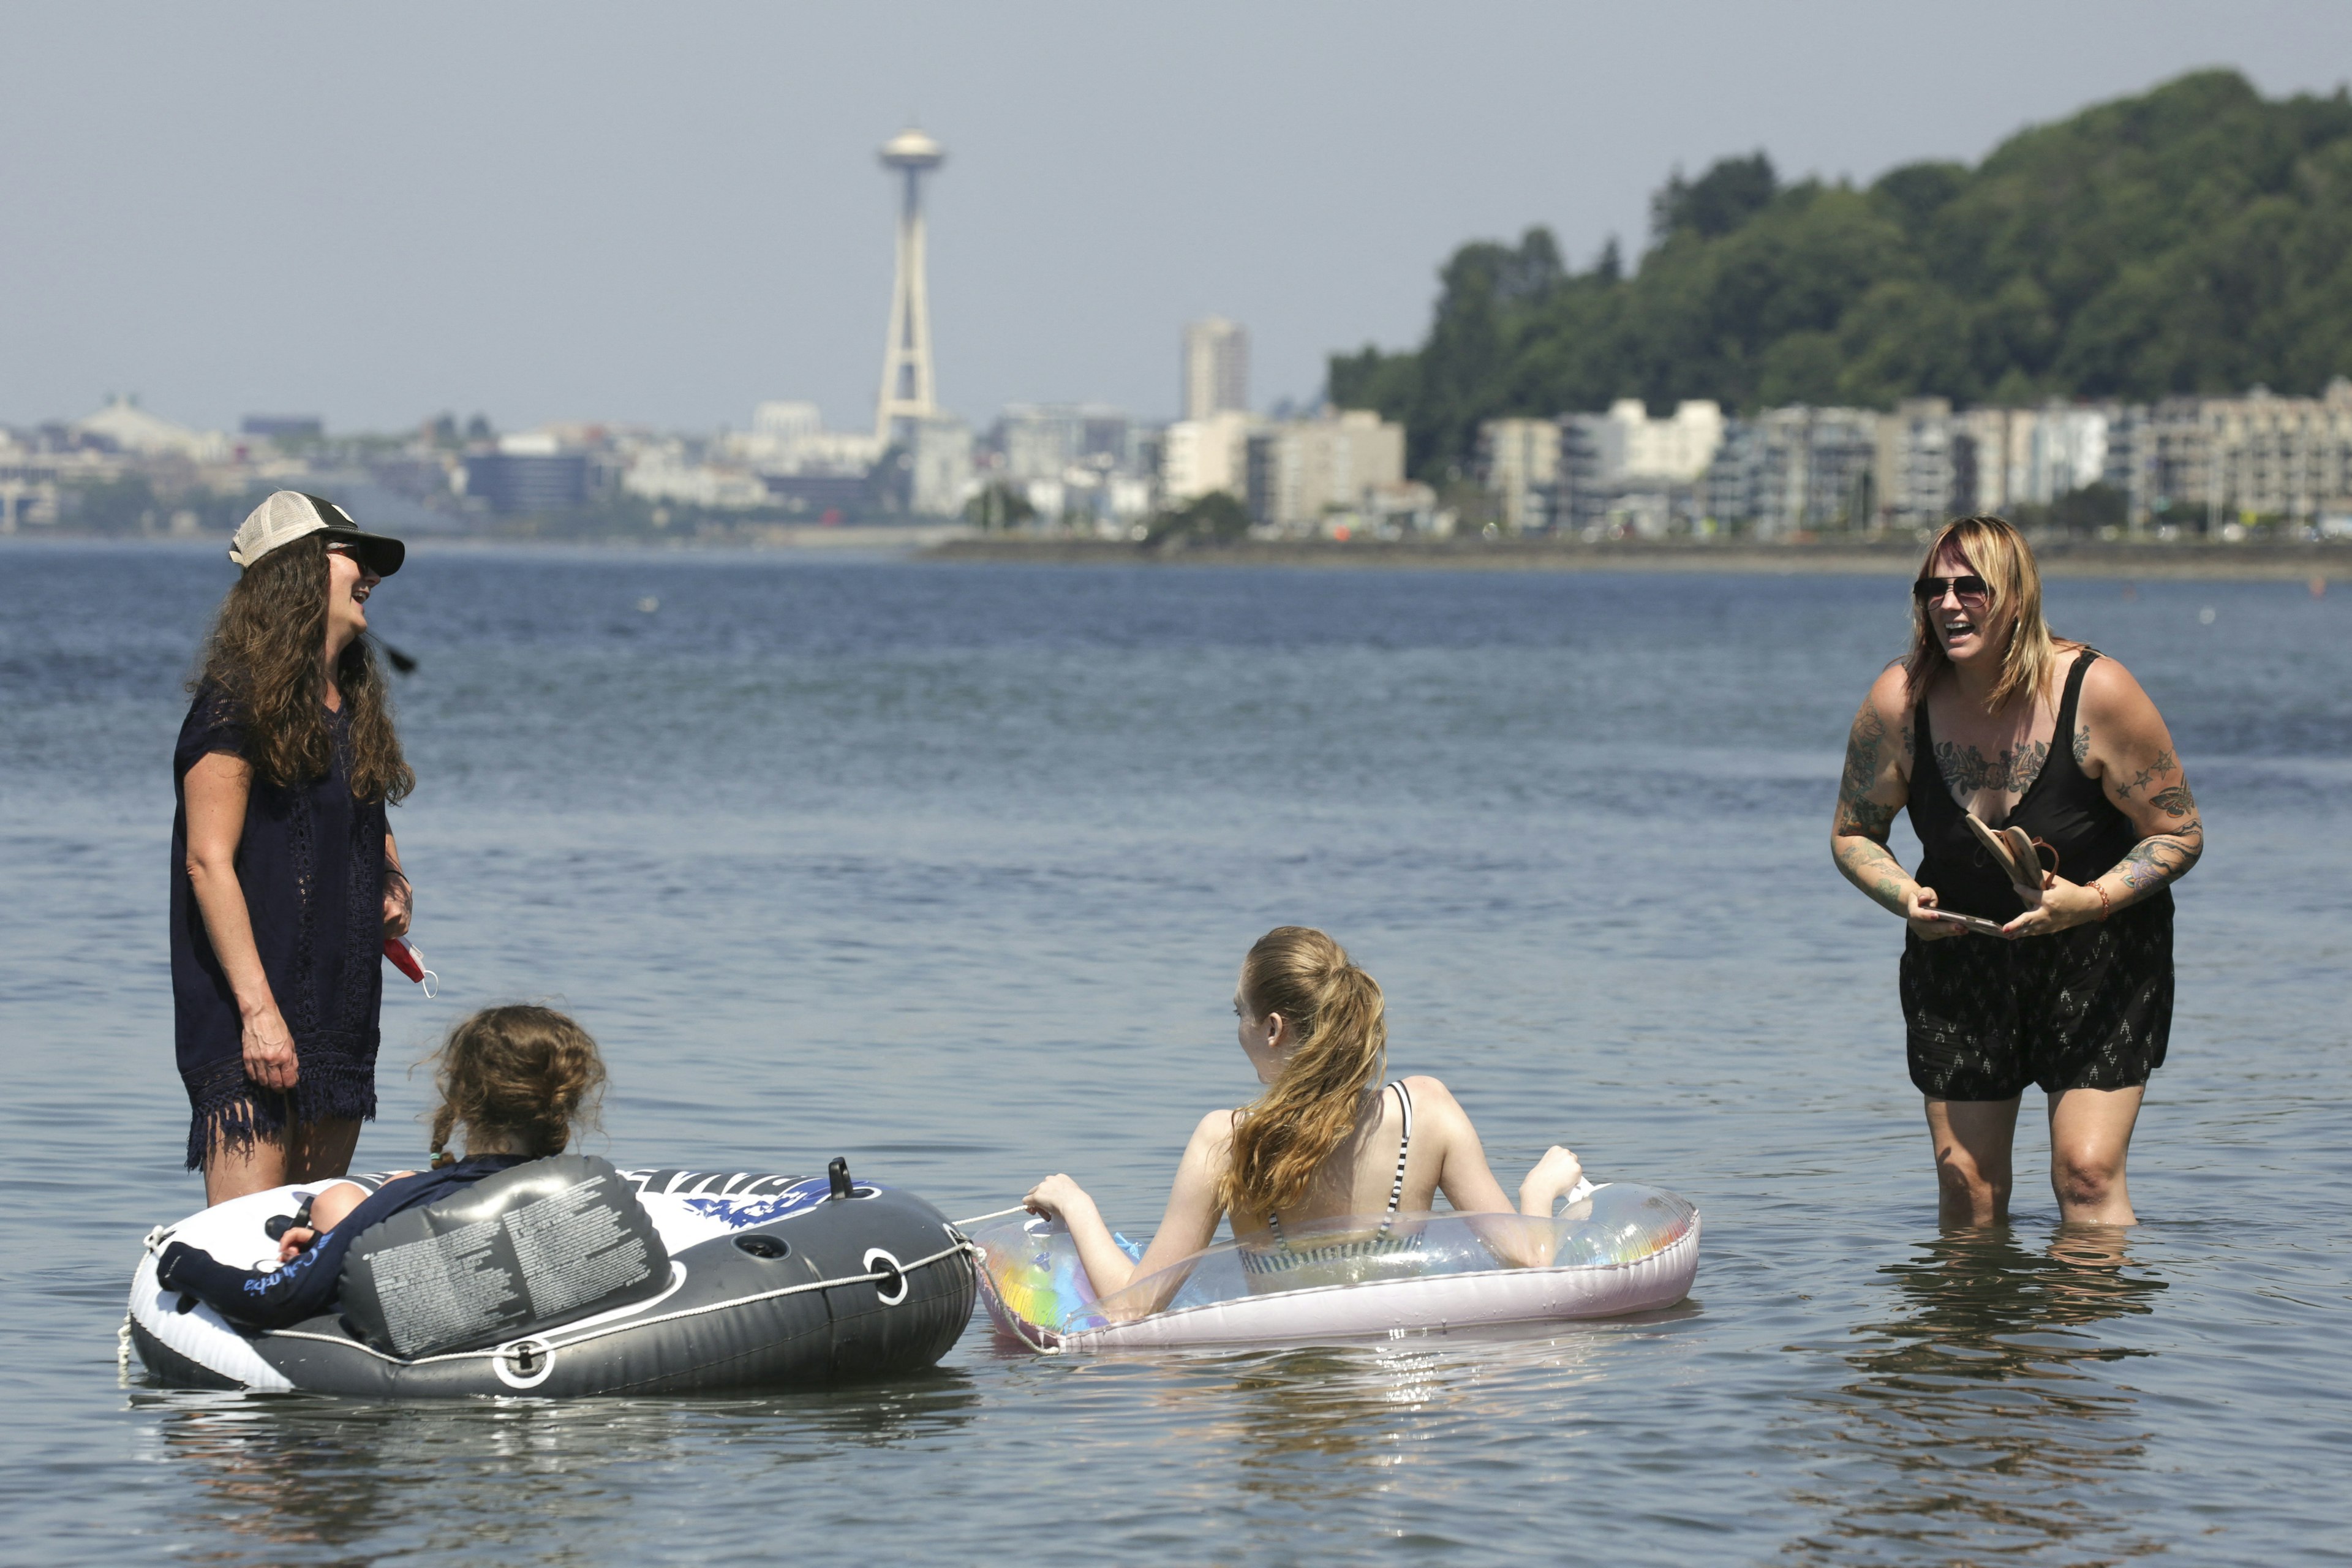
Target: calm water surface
<point>947,869</point>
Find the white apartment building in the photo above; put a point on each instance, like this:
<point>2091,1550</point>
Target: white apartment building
<point>1300,470</point>
<point>1678,447</point>
<point>1520,461</point>
<point>1216,368</point>
<point>1916,476</point>
<point>1045,440</point>
<point>1200,457</point>
<point>1624,471</point>
<point>2279,457</point>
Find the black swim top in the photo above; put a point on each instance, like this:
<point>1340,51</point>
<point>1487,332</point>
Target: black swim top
<point>1380,1241</point>
<point>2064,807</point>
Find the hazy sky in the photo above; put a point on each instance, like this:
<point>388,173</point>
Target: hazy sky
<point>665,214</point>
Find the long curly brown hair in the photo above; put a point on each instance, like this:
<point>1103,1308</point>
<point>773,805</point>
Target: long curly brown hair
<point>1342,1036</point>
<point>263,655</point>
<point>521,1073</point>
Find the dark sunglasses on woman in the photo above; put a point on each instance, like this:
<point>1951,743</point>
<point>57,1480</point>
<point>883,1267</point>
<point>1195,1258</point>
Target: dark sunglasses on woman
<point>1973,590</point>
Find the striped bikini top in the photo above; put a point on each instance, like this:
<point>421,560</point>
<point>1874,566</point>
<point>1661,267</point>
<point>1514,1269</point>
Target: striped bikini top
<point>1267,1260</point>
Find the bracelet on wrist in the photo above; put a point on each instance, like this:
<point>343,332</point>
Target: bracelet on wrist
<point>2105,909</point>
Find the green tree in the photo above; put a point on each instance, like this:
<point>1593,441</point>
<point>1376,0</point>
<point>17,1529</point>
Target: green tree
<point>2197,237</point>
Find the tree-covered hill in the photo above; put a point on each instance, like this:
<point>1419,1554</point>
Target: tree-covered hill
<point>2197,238</point>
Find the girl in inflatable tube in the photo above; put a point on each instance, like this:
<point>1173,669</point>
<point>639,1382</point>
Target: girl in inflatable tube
<point>1328,1139</point>
<point>520,1080</point>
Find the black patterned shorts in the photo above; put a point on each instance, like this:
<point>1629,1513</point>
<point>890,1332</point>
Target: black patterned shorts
<point>2090,1008</point>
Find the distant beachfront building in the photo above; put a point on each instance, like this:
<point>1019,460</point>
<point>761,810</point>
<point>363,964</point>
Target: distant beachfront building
<point>1916,473</point>
<point>525,474</point>
<point>1202,456</point>
<point>939,470</point>
<point>1625,472</point>
<point>1297,472</point>
<point>1795,470</point>
<point>127,427</point>
<point>1045,440</point>
<point>2272,456</point>
<point>1216,368</point>
<point>1518,462</point>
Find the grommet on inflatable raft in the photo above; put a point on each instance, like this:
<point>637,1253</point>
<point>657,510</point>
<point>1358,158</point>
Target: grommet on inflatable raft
<point>563,1277</point>
<point>1615,1249</point>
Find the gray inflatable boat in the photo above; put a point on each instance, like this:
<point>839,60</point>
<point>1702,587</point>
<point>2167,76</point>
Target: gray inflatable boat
<point>564,1278</point>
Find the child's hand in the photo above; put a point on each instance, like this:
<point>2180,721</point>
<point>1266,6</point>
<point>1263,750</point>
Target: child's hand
<point>295,1242</point>
<point>1055,1197</point>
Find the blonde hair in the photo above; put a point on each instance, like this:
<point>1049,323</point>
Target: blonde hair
<point>526,1074</point>
<point>1335,1012</point>
<point>2000,554</point>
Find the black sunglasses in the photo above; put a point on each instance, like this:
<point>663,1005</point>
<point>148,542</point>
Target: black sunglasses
<point>1973,590</point>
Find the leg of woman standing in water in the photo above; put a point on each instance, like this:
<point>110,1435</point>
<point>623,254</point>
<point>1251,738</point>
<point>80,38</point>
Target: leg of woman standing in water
<point>1973,1140</point>
<point>2089,1138</point>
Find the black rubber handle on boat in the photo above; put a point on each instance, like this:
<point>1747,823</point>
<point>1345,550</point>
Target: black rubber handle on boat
<point>838,1172</point>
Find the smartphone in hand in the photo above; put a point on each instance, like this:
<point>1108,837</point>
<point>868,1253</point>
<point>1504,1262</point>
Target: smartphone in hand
<point>1965,922</point>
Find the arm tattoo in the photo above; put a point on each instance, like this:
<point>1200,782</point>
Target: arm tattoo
<point>2154,862</point>
<point>2163,765</point>
<point>1869,865</point>
<point>2174,801</point>
<point>2082,744</point>
<point>1859,839</point>
<point>1867,818</point>
<point>1970,769</point>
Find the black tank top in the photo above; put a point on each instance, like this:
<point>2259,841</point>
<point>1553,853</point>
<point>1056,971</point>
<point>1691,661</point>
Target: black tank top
<point>2064,807</point>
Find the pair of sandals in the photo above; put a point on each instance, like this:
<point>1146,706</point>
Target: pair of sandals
<point>2018,853</point>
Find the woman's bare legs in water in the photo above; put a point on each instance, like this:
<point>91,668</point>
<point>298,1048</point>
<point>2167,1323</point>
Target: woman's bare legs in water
<point>314,1151</point>
<point>2089,1138</point>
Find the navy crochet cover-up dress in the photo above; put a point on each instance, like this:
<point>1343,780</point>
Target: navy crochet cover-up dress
<point>312,864</point>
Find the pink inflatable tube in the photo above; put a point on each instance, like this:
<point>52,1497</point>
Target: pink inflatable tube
<point>1616,1249</point>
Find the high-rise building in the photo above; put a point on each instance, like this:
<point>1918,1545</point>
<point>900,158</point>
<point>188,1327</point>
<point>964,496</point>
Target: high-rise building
<point>907,391</point>
<point>1216,368</point>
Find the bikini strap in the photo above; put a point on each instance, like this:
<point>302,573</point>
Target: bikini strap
<point>1405,1148</point>
<point>1396,1188</point>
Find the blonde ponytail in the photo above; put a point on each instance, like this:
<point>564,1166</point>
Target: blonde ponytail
<point>1337,1020</point>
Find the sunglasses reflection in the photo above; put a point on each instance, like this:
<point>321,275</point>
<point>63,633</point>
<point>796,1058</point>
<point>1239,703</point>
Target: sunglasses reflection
<point>1989,1414</point>
<point>276,1474</point>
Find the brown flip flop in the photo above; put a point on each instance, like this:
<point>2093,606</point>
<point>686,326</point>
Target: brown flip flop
<point>2004,850</point>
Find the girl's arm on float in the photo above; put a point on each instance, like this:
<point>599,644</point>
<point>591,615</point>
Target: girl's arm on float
<point>2122,741</point>
<point>1553,1178</point>
<point>1189,1224</point>
<point>217,789</point>
<point>1469,1183</point>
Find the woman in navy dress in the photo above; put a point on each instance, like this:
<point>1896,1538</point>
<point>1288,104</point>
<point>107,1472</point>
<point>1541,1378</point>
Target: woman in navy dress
<point>285,878</point>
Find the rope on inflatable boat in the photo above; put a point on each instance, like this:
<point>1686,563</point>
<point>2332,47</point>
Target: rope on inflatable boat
<point>992,1214</point>
<point>553,1344</point>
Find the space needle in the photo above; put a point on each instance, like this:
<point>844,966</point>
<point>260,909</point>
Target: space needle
<point>907,386</point>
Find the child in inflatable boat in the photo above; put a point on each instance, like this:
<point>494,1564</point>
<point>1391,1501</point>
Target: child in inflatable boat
<point>1328,1139</point>
<point>520,1081</point>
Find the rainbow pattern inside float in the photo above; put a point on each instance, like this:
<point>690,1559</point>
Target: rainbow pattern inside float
<point>1620,1248</point>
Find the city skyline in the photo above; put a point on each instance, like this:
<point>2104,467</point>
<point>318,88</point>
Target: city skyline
<point>580,216</point>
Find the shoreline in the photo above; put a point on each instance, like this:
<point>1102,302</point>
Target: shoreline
<point>954,543</point>
<point>2057,558</point>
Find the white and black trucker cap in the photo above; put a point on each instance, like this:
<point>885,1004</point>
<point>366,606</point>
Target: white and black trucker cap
<point>288,515</point>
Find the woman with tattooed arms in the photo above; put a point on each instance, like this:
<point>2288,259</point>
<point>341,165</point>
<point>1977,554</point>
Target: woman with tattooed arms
<point>2072,989</point>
